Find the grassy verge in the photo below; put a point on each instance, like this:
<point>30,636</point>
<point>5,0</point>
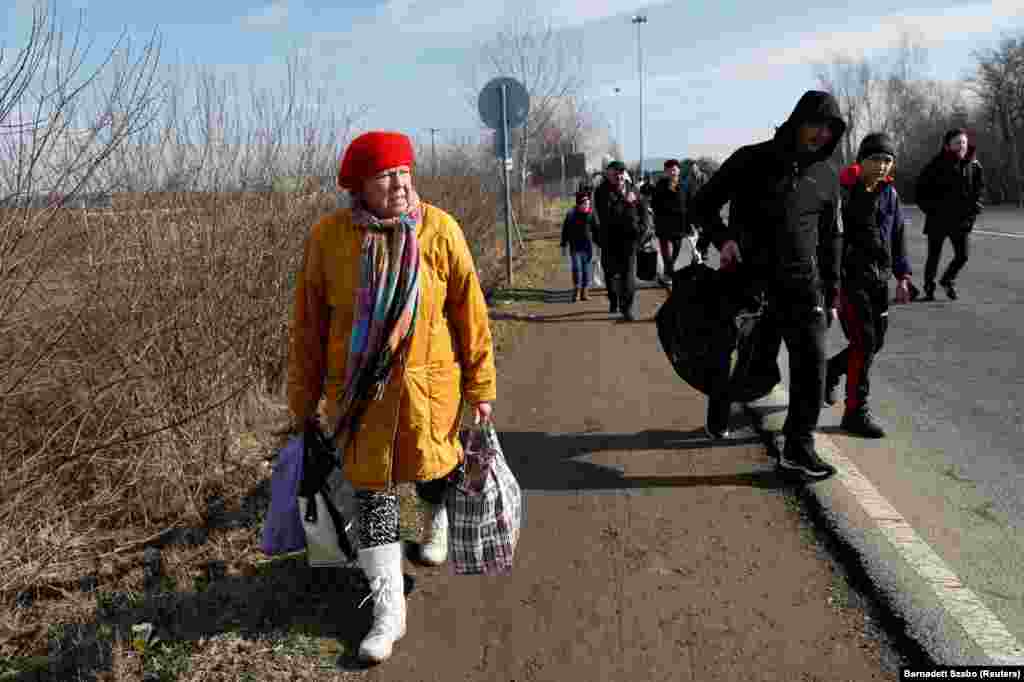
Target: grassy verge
<point>220,610</point>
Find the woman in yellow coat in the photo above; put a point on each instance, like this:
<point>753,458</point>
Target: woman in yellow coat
<point>391,324</point>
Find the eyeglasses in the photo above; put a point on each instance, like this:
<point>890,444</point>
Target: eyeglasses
<point>394,174</point>
<point>881,158</point>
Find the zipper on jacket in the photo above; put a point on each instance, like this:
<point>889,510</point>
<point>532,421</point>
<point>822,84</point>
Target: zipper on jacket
<point>398,413</point>
<point>401,389</point>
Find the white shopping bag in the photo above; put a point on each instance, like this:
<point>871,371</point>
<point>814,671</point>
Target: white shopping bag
<point>597,273</point>
<point>322,546</point>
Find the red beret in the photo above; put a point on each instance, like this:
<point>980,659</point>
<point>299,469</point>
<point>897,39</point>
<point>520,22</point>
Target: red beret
<point>370,153</point>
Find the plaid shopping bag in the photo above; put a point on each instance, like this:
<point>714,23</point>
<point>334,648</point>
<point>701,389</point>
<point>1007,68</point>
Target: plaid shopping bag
<point>484,508</point>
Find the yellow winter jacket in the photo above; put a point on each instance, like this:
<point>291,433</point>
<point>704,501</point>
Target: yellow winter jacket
<point>411,434</point>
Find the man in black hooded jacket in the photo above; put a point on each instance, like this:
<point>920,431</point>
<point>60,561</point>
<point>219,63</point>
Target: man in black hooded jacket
<point>785,228</point>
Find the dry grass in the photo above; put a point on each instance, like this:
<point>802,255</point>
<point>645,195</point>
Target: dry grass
<point>152,351</point>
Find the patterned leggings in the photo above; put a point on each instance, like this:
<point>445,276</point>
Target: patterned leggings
<point>378,511</point>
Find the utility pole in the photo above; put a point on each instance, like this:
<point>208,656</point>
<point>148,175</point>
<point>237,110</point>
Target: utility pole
<point>433,148</point>
<point>618,125</point>
<point>639,20</point>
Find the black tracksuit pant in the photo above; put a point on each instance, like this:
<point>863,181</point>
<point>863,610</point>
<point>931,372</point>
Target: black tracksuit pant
<point>802,328</point>
<point>619,263</point>
<point>961,250</point>
<point>864,316</point>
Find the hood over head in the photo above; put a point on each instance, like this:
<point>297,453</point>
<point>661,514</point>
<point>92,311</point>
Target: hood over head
<point>813,106</point>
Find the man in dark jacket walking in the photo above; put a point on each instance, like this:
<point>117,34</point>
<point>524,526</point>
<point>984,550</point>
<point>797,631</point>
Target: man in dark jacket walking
<point>669,201</point>
<point>785,227</point>
<point>949,192</point>
<point>621,222</point>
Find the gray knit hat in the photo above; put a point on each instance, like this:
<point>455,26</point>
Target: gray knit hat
<point>876,143</point>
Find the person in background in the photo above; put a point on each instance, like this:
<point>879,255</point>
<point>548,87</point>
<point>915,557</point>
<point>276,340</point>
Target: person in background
<point>669,202</point>
<point>785,227</point>
<point>949,192</point>
<point>390,322</point>
<point>874,249</point>
<point>620,219</point>
<point>578,230</point>
<point>694,178</point>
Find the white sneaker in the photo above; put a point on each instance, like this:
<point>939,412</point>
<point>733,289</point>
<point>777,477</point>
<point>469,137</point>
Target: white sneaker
<point>434,541</point>
<point>383,568</point>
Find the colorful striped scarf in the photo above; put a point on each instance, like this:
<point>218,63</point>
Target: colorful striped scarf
<point>385,311</point>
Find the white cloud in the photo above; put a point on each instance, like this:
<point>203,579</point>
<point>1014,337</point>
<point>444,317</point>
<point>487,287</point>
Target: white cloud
<point>773,59</point>
<point>439,19</point>
<point>930,31</point>
<point>576,12</point>
<point>271,16</point>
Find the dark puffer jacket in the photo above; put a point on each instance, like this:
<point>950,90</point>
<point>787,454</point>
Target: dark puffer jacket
<point>949,192</point>
<point>669,209</point>
<point>784,208</point>
<point>874,232</point>
<point>619,224</point>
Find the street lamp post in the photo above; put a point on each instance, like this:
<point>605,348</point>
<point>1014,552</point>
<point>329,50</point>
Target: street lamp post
<point>618,123</point>
<point>640,19</point>
<point>433,149</point>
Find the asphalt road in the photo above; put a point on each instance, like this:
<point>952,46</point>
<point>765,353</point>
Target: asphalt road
<point>950,387</point>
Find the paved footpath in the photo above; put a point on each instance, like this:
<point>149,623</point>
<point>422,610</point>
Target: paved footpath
<point>648,552</point>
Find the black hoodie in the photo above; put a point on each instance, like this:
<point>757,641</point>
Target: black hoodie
<point>783,208</point>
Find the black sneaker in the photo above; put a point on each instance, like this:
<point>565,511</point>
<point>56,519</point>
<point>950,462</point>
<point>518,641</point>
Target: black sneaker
<point>929,293</point>
<point>717,423</point>
<point>715,433</point>
<point>915,293</point>
<point>613,307</point>
<point>862,423</point>
<point>831,390</point>
<point>628,316</point>
<point>950,290</point>
<point>806,464</point>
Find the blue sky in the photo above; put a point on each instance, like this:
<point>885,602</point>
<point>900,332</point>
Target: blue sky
<point>718,74</point>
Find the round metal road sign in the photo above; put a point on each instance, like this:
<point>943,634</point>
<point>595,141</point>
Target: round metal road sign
<point>517,106</point>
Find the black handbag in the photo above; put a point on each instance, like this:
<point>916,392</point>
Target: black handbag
<point>318,462</point>
<point>647,265</point>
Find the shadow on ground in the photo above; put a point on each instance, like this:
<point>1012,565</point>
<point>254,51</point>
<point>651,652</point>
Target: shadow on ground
<point>275,601</point>
<point>531,295</point>
<point>550,462</point>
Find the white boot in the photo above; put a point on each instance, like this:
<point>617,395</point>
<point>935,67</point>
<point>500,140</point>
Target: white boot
<point>383,568</point>
<point>434,541</point>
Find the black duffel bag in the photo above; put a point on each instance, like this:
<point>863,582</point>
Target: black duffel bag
<point>710,313</point>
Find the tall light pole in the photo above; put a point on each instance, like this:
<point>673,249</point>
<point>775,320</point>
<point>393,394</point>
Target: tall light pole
<point>640,19</point>
<point>618,124</point>
<point>433,148</point>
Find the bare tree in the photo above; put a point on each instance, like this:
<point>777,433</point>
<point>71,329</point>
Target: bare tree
<point>547,62</point>
<point>999,83</point>
<point>850,82</point>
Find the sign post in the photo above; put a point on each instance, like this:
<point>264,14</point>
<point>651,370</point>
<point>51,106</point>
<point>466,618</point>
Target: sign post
<point>504,104</point>
<point>507,180</point>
